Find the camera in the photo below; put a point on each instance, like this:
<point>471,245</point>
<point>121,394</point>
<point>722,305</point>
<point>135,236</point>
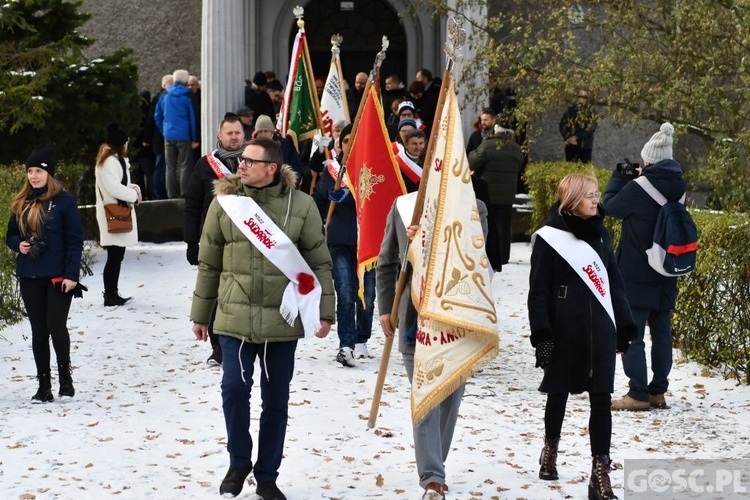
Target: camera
<point>37,247</point>
<point>628,168</point>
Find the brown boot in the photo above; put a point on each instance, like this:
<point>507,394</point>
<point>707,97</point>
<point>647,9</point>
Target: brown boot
<point>599,486</point>
<point>629,404</point>
<point>657,401</point>
<point>548,460</point>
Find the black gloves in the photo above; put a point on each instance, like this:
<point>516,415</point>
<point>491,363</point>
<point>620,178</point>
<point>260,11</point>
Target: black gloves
<point>543,353</point>
<point>78,290</point>
<point>192,253</point>
<point>625,336</point>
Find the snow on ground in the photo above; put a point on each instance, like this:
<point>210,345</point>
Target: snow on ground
<point>146,421</point>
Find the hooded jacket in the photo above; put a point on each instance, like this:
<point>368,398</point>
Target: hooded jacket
<point>175,115</point>
<point>628,201</point>
<point>247,286</point>
<point>562,308</point>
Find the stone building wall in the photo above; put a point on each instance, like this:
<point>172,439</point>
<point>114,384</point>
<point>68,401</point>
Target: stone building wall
<point>165,34</point>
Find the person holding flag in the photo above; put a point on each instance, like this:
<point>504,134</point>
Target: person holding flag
<point>446,318</point>
<point>354,318</point>
<point>579,319</point>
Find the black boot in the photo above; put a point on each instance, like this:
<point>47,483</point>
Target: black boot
<point>233,482</point>
<point>44,394</point>
<point>599,486</point>
<point>114,299</point>
<point>66,381</point>
<point>548,460</point>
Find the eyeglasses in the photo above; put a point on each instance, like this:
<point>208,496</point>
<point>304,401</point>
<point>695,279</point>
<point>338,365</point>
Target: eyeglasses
<point>249,161</point>
<point>593,196</point>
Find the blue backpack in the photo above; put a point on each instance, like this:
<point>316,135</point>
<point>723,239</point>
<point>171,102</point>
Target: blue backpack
<point>675,242</point>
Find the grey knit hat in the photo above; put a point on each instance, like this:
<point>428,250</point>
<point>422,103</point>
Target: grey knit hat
<point>659,147</point>
<point>264,123</point>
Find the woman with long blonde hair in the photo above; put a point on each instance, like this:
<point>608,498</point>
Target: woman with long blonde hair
<point>113,186</point>
<point>45,230</point>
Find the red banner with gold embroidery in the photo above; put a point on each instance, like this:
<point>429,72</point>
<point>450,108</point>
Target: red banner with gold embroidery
<point>374,179</point>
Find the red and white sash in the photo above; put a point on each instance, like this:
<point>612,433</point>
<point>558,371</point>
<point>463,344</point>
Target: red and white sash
<point>220,170</point>
<point>408,166</point>
<point>333,168</point>
<point>302,294</point>
<point>584,261</point>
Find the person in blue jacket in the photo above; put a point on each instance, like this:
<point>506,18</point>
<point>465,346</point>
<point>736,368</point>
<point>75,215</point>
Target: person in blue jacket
<point>46,231</point>
<point>651,295</point>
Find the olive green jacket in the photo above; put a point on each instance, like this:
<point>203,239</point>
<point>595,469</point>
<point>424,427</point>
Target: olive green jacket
<point>497,161</point>
<point>248,286</point>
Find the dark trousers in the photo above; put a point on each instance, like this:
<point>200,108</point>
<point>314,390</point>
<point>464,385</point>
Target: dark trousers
<point>112,268</point>
<point>574,153</point>
<point>211,335</point>
<point>277,368</point>
<point>503,216</point>
<point>634,361</point>
<point>600,419</point>
<point>48,314</point>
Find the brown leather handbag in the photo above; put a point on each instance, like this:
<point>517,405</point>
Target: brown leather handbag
<point>119,217</point>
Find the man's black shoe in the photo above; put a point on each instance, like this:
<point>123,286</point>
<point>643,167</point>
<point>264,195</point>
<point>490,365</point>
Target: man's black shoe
<point>233,482</point>
<point>269,491</point>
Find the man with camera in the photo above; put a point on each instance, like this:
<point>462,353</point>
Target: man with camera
<point>651,295</point>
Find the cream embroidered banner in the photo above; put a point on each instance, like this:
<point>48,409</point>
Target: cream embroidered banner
<point>457,331</point>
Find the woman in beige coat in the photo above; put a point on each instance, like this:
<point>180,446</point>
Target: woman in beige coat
<point>113,185</point>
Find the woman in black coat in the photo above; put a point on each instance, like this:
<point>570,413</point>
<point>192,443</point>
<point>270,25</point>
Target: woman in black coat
<point>579,319</point>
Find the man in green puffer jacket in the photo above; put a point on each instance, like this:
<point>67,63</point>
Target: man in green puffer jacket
<point>258,232</point>
<point>497,161</point>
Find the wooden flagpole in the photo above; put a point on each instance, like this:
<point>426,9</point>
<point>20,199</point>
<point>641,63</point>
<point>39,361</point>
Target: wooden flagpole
<point>456,38</point>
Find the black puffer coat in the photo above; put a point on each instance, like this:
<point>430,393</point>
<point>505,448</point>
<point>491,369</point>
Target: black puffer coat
<point>562,308</point>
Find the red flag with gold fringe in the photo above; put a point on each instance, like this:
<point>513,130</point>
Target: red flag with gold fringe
<point>375,181</point>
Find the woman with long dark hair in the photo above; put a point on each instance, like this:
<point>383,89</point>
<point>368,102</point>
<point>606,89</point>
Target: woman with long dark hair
<point>45,229</point>
<point>112,186</point>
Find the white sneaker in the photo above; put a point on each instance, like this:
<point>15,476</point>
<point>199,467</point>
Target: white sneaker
<point>360,351</point>
<point>346,357</point>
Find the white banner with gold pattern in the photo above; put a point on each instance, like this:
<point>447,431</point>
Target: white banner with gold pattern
<point>457,331</point>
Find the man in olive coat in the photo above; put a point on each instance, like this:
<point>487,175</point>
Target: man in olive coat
<point>264,258</point>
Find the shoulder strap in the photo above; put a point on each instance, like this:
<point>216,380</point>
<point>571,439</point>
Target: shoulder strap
<point>653,192</point>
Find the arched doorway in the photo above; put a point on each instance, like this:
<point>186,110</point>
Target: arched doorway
<point>363,28</point>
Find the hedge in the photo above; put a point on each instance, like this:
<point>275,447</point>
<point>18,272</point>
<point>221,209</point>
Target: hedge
<point>711,321</point>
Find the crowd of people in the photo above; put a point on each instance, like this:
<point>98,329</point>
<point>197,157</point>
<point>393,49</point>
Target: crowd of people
<point>276,265</point>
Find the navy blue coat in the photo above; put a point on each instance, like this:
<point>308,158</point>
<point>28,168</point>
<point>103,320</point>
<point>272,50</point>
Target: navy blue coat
<point>342,230</point>
<point>63,235</point>
<point>562,308</point>
<point>646,289</point>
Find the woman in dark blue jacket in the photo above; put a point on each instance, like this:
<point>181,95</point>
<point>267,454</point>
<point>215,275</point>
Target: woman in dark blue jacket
<point>579,319</point>
<point>45,229</point>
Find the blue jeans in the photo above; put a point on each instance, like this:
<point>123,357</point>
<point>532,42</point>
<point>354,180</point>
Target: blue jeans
<point>634,361</point>
<point>354,320</point>
<point>160,178</point>
<point>179,159</point>
<point>277,368</point>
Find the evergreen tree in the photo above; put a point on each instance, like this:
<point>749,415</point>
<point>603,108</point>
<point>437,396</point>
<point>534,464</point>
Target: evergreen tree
<point>49,92</point>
